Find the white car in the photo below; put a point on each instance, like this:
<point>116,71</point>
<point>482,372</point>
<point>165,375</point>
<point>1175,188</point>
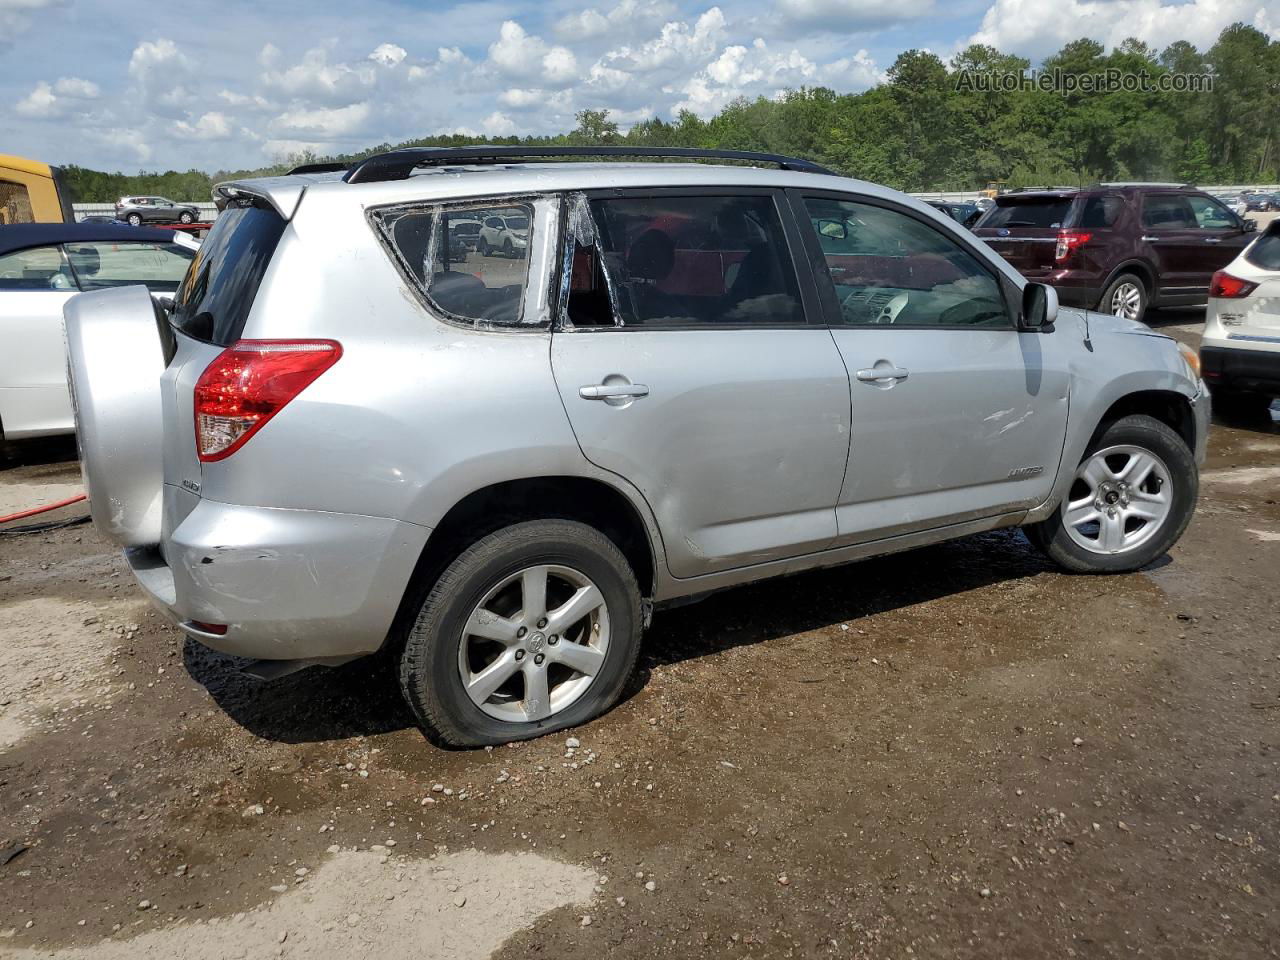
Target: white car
<point>44,265</point>
<point>1240,351</point>
<point>505,232</point>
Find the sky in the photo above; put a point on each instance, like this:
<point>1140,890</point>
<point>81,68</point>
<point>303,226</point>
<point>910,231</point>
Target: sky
<point>137,84</point>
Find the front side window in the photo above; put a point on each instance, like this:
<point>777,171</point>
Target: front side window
<point>683,261</point>
<point>889,268</point>
<point>483,282</point>
<point>1167,212</point>
<point>160,266</point>
<point>1211,215</point>
<point>40,268</point>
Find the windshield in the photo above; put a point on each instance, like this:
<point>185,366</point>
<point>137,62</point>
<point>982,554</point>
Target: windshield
<point>1047,212</point>
<point>517,223</point>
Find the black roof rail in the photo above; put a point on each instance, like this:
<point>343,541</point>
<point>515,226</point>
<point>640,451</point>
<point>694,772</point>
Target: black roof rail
<point>399,164</point>
<point>327,166</point>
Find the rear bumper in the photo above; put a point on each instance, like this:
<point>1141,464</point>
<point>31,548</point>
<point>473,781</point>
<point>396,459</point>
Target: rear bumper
<point>287,584</point>
<point>1252,370</point>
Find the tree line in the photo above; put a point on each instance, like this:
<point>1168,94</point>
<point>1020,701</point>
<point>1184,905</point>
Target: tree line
<point>929,127</point>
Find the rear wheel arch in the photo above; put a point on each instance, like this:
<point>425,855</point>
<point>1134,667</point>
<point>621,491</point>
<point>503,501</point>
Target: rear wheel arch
<point>1139,268</point>
<point>481,512</point>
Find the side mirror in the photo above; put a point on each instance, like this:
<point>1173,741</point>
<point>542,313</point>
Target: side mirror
<point>1039,308</point>
<point>1249,226</point>
<point>833,229</point>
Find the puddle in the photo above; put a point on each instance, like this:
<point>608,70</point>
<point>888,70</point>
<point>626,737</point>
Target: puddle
<point>460,906</point>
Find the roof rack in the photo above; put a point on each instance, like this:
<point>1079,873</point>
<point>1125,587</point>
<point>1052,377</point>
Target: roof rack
<point>1141,183</point>
<point>399,164</point>
<point>1058,189</point>
<point>328,166</point>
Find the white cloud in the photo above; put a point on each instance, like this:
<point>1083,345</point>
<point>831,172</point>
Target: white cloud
<point>852,14</point>
<point>676,44</point>
<point>51,100</point>
<point>518,54</point>
<point>590,23</point>
<point>315,78</point>
<point>210,126</point>
<point>388,54</point>
<point>40,102</point>
<point>323,123</point>
<point>498,124</point>
<point>756,70</point>
<point>1035,29</point>
<point>15,16</point>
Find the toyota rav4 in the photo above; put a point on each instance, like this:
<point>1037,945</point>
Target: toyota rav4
<point>690,377</point>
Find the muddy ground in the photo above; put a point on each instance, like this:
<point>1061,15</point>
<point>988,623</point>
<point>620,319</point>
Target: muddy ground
<point>957,752</point>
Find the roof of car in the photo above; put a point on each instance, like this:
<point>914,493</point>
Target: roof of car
<point>23,236</point>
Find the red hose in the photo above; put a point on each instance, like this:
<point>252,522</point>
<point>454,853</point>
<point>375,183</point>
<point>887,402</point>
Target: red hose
<point>45,509</point>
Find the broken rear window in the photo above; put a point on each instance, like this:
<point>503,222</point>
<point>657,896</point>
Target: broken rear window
<point>471,263</point>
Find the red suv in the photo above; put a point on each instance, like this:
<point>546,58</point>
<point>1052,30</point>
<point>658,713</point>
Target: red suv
<point>1117,247</point>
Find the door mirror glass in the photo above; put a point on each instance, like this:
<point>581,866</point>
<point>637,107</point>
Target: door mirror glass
<point>1249,226</point>
<point>1039,308</point>
<point>833,229</point>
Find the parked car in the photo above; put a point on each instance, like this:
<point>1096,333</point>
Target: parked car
<point>1261,202</point>
<point>42,266</point>
<point>467,229</point>
<point>699,376</point>
<point>1235,204</point>
<point>965,214</point>
<point>1118,248</point>
<point>139,210</point>
<point>506,234</point>
<point>1240,350</point>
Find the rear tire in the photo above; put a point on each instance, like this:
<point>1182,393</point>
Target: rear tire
<point>1166,491</point>
<point>1126,296</point>
<point>185,217</point>
<point>487,588</point>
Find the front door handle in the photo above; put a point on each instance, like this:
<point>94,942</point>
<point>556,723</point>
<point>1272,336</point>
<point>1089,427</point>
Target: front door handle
<point>878,373</point>
<point>1150,239</point>
<point>613,391</point>
<point>1212,239</point>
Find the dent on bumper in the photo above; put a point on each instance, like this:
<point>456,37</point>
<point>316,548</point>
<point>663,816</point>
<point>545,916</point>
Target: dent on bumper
<point>288,584</point>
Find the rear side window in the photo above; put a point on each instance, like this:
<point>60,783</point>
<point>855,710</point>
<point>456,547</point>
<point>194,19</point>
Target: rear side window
<point>160,266</point>
<point>1100,213</point>
<point>684,261</point>
<point>471,263</point>
<point>214,298</point>
<point>1265,252</point>
<point>1047,212</point>
<point>15,203</point>
<point>40,268</point>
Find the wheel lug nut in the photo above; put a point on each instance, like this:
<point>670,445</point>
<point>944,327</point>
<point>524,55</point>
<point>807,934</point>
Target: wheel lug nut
<point>553,640</point>
<point>522,631</point>
<point>539,658</point>
<point>519,654</point>
<point>542,623</point>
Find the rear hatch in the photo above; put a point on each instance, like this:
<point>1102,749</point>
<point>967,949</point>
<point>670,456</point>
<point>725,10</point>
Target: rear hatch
<point>1255,318</point>
<point>209,315</point>
<point>1023,228</point>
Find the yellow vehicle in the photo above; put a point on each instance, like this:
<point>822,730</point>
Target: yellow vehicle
<point>32,192</point>
<point>994,188</point>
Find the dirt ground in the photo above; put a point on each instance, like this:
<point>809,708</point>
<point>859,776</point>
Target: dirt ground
<point>957,752</point>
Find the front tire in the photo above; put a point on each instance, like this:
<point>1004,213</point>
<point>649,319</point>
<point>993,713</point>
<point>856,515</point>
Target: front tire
<point>482,247</point>
<point>185,217</point>
<point>1132,498</point>
<point>1126,296</point>
<point>534,628</point>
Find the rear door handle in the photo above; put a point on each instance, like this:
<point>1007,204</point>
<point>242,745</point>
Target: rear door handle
<point>872,374</point>
<point>1150,239</point>
<point>613,391</point>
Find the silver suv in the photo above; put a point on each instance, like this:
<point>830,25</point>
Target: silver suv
<point>692,376</point>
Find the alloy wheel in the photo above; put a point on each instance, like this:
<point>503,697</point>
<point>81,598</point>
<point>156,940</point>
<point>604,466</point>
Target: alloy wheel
<point>1120,498</point>
<point>1126,301</point>
<point>534,643</point>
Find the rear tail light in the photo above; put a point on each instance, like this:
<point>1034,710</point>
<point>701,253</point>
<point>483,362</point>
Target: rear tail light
<point>248,384</point>
<point>1069,240</point>
<point>1227,287</point>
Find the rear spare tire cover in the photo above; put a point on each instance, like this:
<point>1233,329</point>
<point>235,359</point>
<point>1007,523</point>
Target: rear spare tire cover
<point>115,360</point>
